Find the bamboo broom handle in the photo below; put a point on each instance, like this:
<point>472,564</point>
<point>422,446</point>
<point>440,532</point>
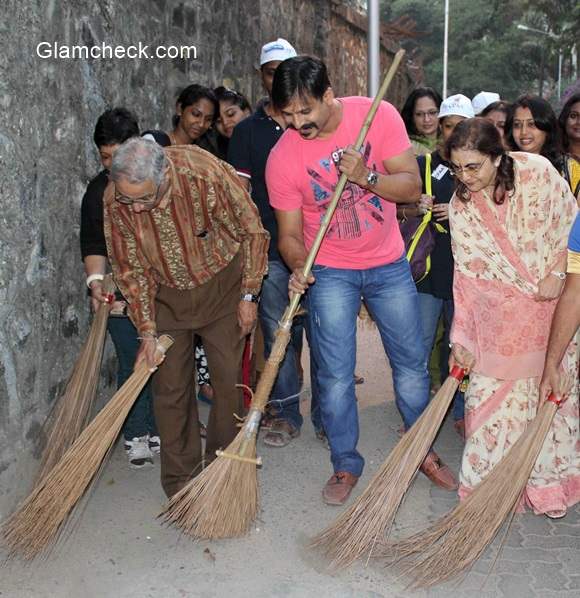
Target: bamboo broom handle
<point>291,309</point>
<point>270,372</point>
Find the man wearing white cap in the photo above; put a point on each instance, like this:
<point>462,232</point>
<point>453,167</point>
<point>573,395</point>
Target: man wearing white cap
<point>248,152</point>
<point>482,100</point>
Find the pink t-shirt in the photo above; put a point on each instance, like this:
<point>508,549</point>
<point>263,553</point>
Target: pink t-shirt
<point>302,174</point>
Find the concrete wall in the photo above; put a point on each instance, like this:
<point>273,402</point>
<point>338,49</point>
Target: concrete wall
<point>48,111</point>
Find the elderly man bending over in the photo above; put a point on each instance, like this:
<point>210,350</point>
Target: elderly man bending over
<point>188,252</point>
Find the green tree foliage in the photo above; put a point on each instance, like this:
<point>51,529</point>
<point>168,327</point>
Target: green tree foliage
<point>486,49</point>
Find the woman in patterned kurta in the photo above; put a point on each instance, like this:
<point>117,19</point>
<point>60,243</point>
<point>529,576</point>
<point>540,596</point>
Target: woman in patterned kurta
<point>510,218</point>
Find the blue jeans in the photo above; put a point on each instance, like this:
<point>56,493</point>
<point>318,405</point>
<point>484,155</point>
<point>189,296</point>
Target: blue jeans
<point>432,309</point>
<point>315,413</point>
<point>285,396</point>
<point>140,420</point>
<point>334,302</point>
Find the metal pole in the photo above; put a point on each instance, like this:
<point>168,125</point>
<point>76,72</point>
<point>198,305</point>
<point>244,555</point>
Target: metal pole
<point>373,47</point>
<point>445,48</point>
<point>559,74</point>
<point>541,85</point>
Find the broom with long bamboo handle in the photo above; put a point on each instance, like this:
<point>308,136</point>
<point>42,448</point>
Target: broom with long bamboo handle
<point>222,501</point>
<point>37,523</point>
<point>357,531</point>
<point>73,409</point>
<point>454,542</point>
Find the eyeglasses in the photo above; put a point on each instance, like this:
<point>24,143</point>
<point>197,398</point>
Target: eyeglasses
<point>427,113</point>
<point>146,200</point>
<point>467,169</point>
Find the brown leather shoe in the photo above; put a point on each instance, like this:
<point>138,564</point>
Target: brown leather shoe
<point>438,472</point>
<point>338,488</point>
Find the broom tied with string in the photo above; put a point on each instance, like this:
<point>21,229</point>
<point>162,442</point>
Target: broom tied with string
<point>73,409</point>
<point>451,545</point>
<point>358,530</point>
<point>223,500</point>
<point>41,518</point>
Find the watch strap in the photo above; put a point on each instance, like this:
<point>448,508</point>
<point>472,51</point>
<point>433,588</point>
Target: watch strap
<point>250,298</point>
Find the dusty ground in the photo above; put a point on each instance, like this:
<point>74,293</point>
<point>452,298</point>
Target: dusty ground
<point>119,549</point>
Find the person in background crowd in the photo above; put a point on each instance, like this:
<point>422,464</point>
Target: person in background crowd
<point>456,110</point>
<point>436,289</point>
<point>141,438</point>
<point>233,108</point>
<point>531,126</point>
<point>569,122</point>
<point>362,255</point>
<point>510,219</point>
<point>482,100</point>
<point>420,115</point>
<point>497,112</point>
<point>189,253</point>
<point>196,110</point>
<point>250,146</point>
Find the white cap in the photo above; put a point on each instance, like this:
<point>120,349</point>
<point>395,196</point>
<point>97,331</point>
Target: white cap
<point>278,50</point>
<point>483,99</point>
<point>457,105</point>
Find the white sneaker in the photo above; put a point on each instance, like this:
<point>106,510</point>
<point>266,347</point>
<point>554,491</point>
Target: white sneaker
<point>155,444</point>
<point>138,452</point>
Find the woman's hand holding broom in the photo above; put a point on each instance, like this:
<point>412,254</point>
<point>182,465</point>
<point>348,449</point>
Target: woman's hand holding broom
<point>554,383</point>
<point>461,356</point>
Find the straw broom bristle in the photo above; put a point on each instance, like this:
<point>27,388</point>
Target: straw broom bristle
<point>452,544</point>
<point>368,521</point>
<point>39,520</point>
<point>73,409</point>
<point>223,500</point>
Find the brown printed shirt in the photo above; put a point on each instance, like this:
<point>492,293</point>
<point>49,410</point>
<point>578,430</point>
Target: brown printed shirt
<point>207,220</point>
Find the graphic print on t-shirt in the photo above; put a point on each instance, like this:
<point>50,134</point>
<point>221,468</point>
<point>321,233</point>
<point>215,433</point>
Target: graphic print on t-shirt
<point>352,217</point>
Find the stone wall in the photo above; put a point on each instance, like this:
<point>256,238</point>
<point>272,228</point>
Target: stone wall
<point>48,111</point>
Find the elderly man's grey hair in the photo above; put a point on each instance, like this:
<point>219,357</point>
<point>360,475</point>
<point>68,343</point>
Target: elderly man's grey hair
<point>139,160</point>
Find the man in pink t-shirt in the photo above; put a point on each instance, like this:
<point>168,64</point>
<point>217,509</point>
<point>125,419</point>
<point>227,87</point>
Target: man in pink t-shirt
<point>362,255</point>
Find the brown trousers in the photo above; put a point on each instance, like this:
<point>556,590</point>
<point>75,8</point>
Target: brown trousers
<point>209,311</point>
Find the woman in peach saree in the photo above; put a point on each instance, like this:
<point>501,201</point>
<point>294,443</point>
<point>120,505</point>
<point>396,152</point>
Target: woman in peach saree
<point>509,219</point>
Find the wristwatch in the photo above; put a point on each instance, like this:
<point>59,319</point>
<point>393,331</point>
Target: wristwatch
<point>251,298</point>
<point>372,179</point>
<point>560,275</point>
